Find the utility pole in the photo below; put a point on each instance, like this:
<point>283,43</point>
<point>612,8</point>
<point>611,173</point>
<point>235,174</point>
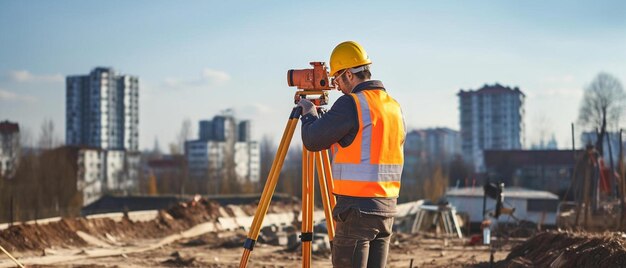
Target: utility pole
<point>485,197</point>
<point>573,143</point>
<point>608,139</point>
<point>12,219</point>
<point>621,179</point>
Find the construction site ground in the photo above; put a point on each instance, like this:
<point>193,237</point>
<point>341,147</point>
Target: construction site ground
<point>223,249</point>
<point>201,233</point>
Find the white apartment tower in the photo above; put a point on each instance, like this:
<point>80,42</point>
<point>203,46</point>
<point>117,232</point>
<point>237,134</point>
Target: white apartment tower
<point>9,148</point>
<point>102,110</point>
<point>102,113</point>
<point>492,117</point>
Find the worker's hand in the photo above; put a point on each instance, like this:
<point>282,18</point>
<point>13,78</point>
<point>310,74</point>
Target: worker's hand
<point>307,107</point>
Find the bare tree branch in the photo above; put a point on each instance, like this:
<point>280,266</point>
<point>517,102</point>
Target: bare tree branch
<point>603,103</point>
<point>47,140</point>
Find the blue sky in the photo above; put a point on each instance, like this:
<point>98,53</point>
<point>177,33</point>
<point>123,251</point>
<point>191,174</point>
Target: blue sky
<point>197,58</point>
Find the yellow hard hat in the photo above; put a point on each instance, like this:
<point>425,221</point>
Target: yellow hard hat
<point>348,54</point>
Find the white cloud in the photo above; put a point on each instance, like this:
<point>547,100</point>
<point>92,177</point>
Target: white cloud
<point>215,76</point>
<point>23,76</point>
<point>208,78</point>
<point>6,95</point>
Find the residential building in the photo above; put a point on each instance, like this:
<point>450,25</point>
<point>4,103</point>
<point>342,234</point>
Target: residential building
<point>243,133</point>
<point>102,110</point>
<point>551,144</point>
<point>547,170</point>
<point>168,172</point>
<point>102,171</point>
<point>79,171</point>
<point>430,146</point>
<point>492,118</point>
<point>426,150</point>
<point>90,173</point>
<point>248,160</point>
<point>207,159</point>
<point>9,148</point>
<point>223,127</point>
<point>205,130</point>
<point>223,143</point>
<point>414,156</point>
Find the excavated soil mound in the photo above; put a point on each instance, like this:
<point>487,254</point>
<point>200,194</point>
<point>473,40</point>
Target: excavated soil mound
<point>37,237</point>
<point>566,249</point>
<point>62,234</point>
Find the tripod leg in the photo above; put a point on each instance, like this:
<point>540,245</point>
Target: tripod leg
<point>329,178</point>
<point>323,180</point>
<point>307,206</point>
<point>270,186</point>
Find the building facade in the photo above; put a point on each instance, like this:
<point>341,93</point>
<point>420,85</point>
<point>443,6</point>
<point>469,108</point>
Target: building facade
<point>100,171</point>
<point>223,144</point>
<point>102,113</point>
<point>102,110</point>
<point>434,146</point>
<point>9,148</point>
<point>492,118</point>
<point>90,173</point>
<point>547,170</point>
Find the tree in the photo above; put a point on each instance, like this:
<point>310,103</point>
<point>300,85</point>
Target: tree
<point>603,104</point>
<point>459,171</point>
<point>267,153</point>
<point>152,185</point>
<point>229,179</point>
<point>183,136</point>
<point>47,140</point>
<point>156,149</point>
<point>435,187</point>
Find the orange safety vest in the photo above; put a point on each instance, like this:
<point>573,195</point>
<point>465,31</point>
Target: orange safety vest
<point>372,165</point>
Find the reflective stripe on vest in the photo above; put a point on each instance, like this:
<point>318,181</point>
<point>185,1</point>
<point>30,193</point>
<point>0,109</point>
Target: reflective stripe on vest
<point>367,172</point>
<point>364,169</point>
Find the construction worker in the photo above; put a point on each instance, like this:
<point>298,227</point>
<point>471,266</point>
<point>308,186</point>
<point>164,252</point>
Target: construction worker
<point>365,131</point>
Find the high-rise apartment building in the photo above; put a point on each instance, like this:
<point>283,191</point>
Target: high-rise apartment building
<point>102,110</point>
<point>102,113</point>
<point>492,117</point>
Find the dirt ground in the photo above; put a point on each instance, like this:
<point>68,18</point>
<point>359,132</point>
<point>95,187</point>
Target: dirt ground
<point>187,235</point>
<point>224,250</point>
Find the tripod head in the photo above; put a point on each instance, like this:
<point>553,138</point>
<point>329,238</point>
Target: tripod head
<point>312,84</point>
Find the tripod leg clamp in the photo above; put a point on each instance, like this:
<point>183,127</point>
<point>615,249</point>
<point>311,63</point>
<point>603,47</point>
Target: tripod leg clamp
<point>306,237</point>
<point>249,244</point>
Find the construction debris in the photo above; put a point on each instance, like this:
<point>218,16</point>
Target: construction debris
<point>568,249</point>
<point>179,261</point>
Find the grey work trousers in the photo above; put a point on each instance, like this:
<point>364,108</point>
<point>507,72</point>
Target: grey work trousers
<point>361,240</point>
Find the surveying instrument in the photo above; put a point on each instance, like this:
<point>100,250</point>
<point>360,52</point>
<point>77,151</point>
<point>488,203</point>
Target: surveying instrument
<point>313,84</point>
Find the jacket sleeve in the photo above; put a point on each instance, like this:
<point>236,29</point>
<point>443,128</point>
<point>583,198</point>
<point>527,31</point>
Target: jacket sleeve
<point>332,127</point>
